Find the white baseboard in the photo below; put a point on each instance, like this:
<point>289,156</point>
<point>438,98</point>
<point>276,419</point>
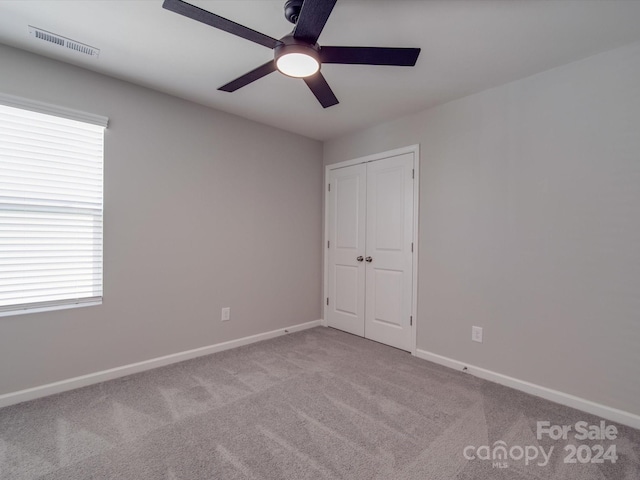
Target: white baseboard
<point>104,375</point>
<point>609,413</point>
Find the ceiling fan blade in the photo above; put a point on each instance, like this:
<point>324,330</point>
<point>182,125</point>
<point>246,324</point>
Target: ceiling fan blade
<point>313,16</point>
<point>216,21</point>
<point>321,90</point>
<point>402,57</point>
<point>252,76</point>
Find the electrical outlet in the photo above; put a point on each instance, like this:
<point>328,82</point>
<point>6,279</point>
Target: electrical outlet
<point>476,334</point>
<point>226,314</point>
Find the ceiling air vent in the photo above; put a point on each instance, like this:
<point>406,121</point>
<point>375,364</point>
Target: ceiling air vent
<point>63,41</point>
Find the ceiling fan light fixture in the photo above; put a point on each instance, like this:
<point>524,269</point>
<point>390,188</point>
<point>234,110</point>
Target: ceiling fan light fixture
<point>296,59</point>
<point>298,65</point>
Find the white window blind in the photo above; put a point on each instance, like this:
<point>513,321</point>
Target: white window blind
<point>51,172</point>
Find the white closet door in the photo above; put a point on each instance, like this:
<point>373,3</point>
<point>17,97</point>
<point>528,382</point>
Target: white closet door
<point>389,272</point>
<point>346,221</point>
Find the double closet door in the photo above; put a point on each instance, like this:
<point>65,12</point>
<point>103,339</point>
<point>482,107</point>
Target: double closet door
<point>370,250</point>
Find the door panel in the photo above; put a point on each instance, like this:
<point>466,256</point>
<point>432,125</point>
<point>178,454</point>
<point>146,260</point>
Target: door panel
<point>346,283</point>
<point>389,204</point>
<point>388,297</point>
<point>348,208</point>
<point>389,226</point>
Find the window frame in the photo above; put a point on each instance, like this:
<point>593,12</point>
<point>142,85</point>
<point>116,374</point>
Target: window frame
<point>86,118</point>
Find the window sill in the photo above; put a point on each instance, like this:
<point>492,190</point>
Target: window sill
<point>49,308</point>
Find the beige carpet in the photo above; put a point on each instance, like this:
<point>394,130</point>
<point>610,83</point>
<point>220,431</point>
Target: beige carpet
<point>318,404</point>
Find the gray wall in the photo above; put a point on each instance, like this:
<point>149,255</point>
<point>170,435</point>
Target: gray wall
<point>203,210</point>
<point>530,226</point>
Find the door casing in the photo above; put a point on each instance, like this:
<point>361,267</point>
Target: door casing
<point>415,150</point>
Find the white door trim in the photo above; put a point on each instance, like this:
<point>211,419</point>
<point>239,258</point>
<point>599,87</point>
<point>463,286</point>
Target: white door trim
<point>415,149</point>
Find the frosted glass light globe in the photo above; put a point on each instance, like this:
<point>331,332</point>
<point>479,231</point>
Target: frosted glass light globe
<point>297,65</point>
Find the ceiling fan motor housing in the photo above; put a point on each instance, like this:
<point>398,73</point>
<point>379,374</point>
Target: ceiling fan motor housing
<point>292,10</point>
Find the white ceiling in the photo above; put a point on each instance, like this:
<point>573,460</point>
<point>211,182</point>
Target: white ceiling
<point>467,46</point>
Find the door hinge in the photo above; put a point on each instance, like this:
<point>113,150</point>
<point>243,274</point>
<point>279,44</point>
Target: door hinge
<point>411,321</point>
<point>328,243</point>
<point>327,300</point>
<point>411,247</point>
<point>329,187</point>
<point>413,173</point>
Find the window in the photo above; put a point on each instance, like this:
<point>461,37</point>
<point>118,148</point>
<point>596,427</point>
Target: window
<point>51,164</point>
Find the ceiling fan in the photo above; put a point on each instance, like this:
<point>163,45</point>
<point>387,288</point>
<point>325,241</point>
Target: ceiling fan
<point>298,53</point>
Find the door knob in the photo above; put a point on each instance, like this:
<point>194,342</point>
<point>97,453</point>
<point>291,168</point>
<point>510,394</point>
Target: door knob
<point>360,258</point>
<point>369,259</point>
